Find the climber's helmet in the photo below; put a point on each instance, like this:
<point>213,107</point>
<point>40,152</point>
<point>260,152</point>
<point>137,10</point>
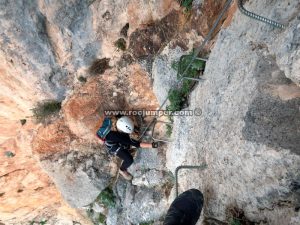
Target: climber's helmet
<point>125,124</point>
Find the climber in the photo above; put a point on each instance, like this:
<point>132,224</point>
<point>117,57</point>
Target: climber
<point>118,141</point>
<point>185,209</point>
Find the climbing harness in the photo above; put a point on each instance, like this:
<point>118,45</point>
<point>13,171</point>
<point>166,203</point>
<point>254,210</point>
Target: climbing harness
<point>258,17</point>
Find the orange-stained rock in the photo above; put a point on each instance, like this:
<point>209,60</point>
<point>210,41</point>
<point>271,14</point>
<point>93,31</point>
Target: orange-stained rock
<point>84,110</point>
<point>26,190</point>
<point>149,39</point>
<point>140,91</point>
<point>145,12</point>
<point>52,138</point>
<point>210,9</point>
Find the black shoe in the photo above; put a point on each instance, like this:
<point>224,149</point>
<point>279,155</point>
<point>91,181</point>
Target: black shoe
<point>185,209</point>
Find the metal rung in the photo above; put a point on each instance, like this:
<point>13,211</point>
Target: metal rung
<point>201,167</point>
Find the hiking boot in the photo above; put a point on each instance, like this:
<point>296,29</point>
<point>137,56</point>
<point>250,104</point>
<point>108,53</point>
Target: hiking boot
<point>185,209</point>
<point>126,175</point>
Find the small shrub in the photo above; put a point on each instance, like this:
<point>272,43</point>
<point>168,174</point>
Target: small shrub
<point>169,130</point>
<point>99,66</point>
<point>9,154</point>
<point>178,96</point>
<point>102,218</point>
<point>120,44</point>
<point>175,97</point>
<point>45,109</point>
<point>194,66</point>
<point>187,4</point>
<point>82,79</point>
<point>234,222</point>
<point>107,198</point>
<point>43,222</point>
<point>23,121</point>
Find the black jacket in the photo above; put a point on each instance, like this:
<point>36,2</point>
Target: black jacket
<point>116,140</point>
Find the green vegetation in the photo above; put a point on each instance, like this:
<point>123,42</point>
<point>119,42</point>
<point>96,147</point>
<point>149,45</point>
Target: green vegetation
<point>23,121</point>
<point>99,66</point>
<point>107,198</point>
<point>185,61</point>
<point>121,44</point>
<point>176,99</point>
<point>102,218</point>
<point>169,129</point>
<point>234,221</point>
<point>82,79</point>
<point>187,4</point>
<point>96,218</point>
<point>9,154</point>
<point>178,96</point>
<point>44,110</point>
<point>43,222</point>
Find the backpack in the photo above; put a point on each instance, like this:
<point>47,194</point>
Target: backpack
<point>102,132</point>
<point>104,129</point>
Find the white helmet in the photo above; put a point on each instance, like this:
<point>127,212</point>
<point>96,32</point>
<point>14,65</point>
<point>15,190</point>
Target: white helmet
<point>125,124</point>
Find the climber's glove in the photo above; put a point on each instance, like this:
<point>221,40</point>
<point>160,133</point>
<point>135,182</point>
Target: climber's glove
<point>154,144</point>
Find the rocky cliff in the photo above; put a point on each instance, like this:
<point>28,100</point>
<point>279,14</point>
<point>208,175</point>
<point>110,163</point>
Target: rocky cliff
<point>248,133</point>
<point>92,55</point>
<point>47,49</point>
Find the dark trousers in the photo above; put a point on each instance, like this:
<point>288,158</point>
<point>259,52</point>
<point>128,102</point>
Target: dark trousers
<point>127,158</point>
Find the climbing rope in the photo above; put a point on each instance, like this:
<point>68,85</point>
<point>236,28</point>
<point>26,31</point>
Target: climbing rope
<point>258,17</point>
<point>201,167</point>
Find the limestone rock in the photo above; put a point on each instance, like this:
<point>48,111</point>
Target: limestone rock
<point>247,133</point>
<point>138,205</point>
<point>165,77</point>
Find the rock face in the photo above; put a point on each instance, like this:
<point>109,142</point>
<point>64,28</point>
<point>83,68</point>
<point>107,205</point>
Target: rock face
<point>146,199</point>
<point>190,33</point>
<point>45,47</point>
<point>27,193</point>
<point>248,132</point>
